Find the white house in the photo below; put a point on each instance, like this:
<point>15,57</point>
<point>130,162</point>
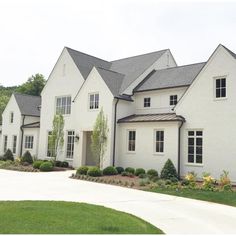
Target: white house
<point>155,109</point>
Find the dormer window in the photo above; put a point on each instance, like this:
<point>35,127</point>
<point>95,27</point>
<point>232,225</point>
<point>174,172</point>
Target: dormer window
<point>147,102</point>
<point>220,88</point>
<point>11,117</point>
<point>93,101</point>
<point>173,100</point>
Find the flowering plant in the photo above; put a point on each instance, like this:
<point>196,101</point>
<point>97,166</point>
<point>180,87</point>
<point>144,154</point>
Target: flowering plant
<point>208,181</point>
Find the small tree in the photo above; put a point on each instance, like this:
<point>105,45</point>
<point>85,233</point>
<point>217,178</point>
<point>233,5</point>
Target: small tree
<point>99,137</point>
<point>8,155</point>
<point>56,139</point>
<point>169,171</point>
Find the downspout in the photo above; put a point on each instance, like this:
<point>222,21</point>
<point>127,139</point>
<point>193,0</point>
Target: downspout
<point>179,134</point>
<point>22,135</point>
<point>114,132</point>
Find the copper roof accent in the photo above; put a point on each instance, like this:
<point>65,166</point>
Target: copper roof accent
<point>160,117</point>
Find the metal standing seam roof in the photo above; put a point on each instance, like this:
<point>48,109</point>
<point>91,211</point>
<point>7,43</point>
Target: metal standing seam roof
<point>170,77</point>
<point>151,118</point>
<point>28,105</point>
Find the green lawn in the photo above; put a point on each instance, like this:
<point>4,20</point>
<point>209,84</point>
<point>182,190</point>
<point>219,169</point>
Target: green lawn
<point>50,217</point>
<point>228,198</point>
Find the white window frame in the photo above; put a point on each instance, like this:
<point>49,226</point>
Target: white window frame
<point>173,101</point>
<point>128,140</point>
<point>5,140</point>
<point>64,106</point>
<point>70,151</point>
<point>93,104</point>
<point>145,103</point>
<point>214,86</point>
<point>195,136</point>
<point>14,144</point>
<point>11,117</point>
<point>29,142</point>
<point>155,141</point>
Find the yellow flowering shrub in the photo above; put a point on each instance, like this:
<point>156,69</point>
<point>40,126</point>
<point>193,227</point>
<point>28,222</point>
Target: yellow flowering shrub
<point>225,182</point>
<point>208,181</point>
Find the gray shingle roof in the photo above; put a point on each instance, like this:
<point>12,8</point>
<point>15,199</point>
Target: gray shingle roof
<point>28,105</point>
<point>170,77</point>
<point>85,62</point>
<point>151,118</point>
<point>133,67</point>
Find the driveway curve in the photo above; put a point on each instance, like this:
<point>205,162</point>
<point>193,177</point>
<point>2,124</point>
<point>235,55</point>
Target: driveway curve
<point>174,215</point>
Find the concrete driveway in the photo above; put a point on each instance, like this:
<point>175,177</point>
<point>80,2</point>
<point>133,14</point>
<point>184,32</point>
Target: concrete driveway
<point>172,214</point>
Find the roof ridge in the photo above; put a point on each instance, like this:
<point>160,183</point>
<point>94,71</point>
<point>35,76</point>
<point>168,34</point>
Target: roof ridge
<point>139,55</point>
<point>86,54</point>
<point>176,67</point>
<point>154,114</point>
<point>27,95</point>
<point>98,67</point>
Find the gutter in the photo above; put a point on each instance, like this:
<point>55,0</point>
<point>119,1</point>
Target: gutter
<point>179,134</point>
<point>114,133</point>
<point>22,135</point>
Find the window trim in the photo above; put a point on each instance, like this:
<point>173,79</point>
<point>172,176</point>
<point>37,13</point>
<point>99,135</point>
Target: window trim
<point>28,148</point>
<point>127,141</point>
<point>5,142</point>
<point>154,143</point>
<point>13,142</point>
<point>93,93</point>
<point>70,158</point>
<point>11,117</point>
<point>214,88</point>
<point>173,100</point>
<point>55,106</point>
<point>146,107</point>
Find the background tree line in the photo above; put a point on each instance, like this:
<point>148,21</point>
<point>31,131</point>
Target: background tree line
<point>33,86</point>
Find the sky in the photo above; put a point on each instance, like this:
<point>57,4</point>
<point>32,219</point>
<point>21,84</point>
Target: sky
<point>33,33</point>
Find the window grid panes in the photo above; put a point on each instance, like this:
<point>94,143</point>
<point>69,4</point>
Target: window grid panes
<point>195,146</point>
<point>131,140</point>
<point>29,141</point>
<point>51,147</point>
<point>14,144</point>
<point>221,88</point>
<point>173,99</point>
<point>147,102</point>
<point>70,144</point>
<point>160,141</point>
<point>11,117</point>
<point>63,105</point>
<point>94,101</point>
<point>5,143</point>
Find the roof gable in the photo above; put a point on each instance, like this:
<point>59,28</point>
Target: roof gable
<point>28,105</point>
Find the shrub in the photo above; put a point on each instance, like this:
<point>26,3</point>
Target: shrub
<point>57,163</point>
<point>139,171</point>
<point>142,176</point>
<point>110,170</point>
<point>225,182</point>
<point>8,156</point>
<point>120,169</point>
<point>152,173</point>
<point>2,158</point>
<point>27,158</point>
<point>65,164</point>
<point>94,171</point>
<point>130,170</point>
<point>82,170</point>
<point>46,166</point>
<point>128,174</point>
<point>169,171</point>
<point>190,180</point>
<point>37,164</point>
<point>144,182</point>
<point>208,182</point>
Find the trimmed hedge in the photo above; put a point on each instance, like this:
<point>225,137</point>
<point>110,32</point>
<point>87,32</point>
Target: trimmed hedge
<point>8,155</point>
<point>152,173</point>
<point>37,164</point>
<point>169,171</point>
<point>110,170</point>
<point>120,169</point>
<point>139,171</point>
<point>27,157</point>
<point>46,166</point>
<point>94,171</point>
<point>130,170</point>
<point>65,164</point>
<point>82,170</point>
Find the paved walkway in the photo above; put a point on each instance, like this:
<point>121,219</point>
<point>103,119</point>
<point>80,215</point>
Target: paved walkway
<point>172,214</point>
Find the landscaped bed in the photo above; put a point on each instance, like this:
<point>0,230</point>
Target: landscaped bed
<point>50,217</point>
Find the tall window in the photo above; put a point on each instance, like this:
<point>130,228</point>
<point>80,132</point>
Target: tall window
<point>173,99</point>
<point>63,105</point>
<point>70,144</point>
<point>195,144</point>
<point>5,143</point>
<point>11,117</point>
<point>93,101</point>
<point>50,148</point>
<point>159,141</point>
<point>29,142</point>
<point>131,140</point>
<point>14,139</point>
<point>220,88</point>
<point>147,102</point>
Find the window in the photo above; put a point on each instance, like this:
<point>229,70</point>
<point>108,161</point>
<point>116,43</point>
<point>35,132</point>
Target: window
<point>159,147</point>
<point>131,140</point>
<point>50,148</point>
<point>93,101</point>
<point>14,144</point>
<point>220,88</point>
<point>5,144</point>
<point>173,99</point>
<point>195,143</point>
<point>11,117</point>
<point>147,102</point>
<point>29,141</point>
<point>63,105</point>
<point>70,144</point>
